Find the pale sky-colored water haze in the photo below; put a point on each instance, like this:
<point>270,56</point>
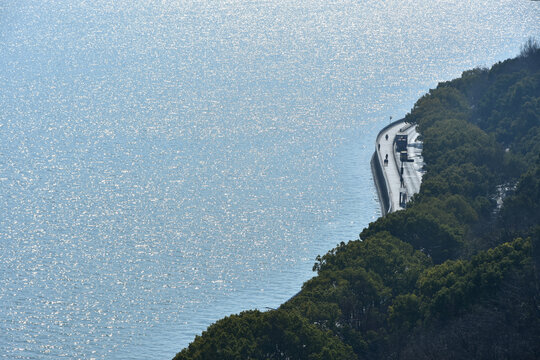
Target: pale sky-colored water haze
<point>166,163</point>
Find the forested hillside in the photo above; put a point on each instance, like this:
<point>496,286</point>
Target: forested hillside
<point>456,274</point>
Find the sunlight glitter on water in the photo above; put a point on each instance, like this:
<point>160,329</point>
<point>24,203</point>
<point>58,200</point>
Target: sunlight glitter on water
<point>164,164</point>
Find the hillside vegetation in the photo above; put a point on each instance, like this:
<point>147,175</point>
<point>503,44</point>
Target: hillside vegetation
<point>456,274</point>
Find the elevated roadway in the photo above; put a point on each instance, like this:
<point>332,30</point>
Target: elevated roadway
<point>397,181</point>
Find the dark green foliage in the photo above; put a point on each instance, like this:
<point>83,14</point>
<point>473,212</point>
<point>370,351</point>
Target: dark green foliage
<point>382,254</point>
<point>432,225</point>
<point>486,308</point>
<point>466,179</point>
<point>269,335</point>
<point>356,282</point>
<point>456,142</point>
<point>452,276</point>
<point>448,289</point>
<point>522,209</point>
<point>439,104</point>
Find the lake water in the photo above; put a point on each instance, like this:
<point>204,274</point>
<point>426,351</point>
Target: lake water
<point>166,163</point>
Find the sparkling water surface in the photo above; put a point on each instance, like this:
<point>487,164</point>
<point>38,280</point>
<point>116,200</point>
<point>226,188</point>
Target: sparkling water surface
<point>166,163</point>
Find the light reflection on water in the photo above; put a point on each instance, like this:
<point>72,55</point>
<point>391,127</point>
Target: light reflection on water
<point>164,164</point>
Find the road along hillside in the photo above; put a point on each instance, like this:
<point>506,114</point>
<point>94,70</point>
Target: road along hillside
<point>397,165</point>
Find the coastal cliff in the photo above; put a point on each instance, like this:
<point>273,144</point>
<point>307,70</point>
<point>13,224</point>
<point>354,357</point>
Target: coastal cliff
<point>455,275</point>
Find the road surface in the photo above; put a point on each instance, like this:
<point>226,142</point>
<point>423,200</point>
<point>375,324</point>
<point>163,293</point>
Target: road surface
<point>399,188</point>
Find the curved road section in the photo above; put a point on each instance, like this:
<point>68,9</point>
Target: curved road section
<point>397,166</point>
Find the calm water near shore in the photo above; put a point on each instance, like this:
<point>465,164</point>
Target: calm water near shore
<point>166,163</point>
